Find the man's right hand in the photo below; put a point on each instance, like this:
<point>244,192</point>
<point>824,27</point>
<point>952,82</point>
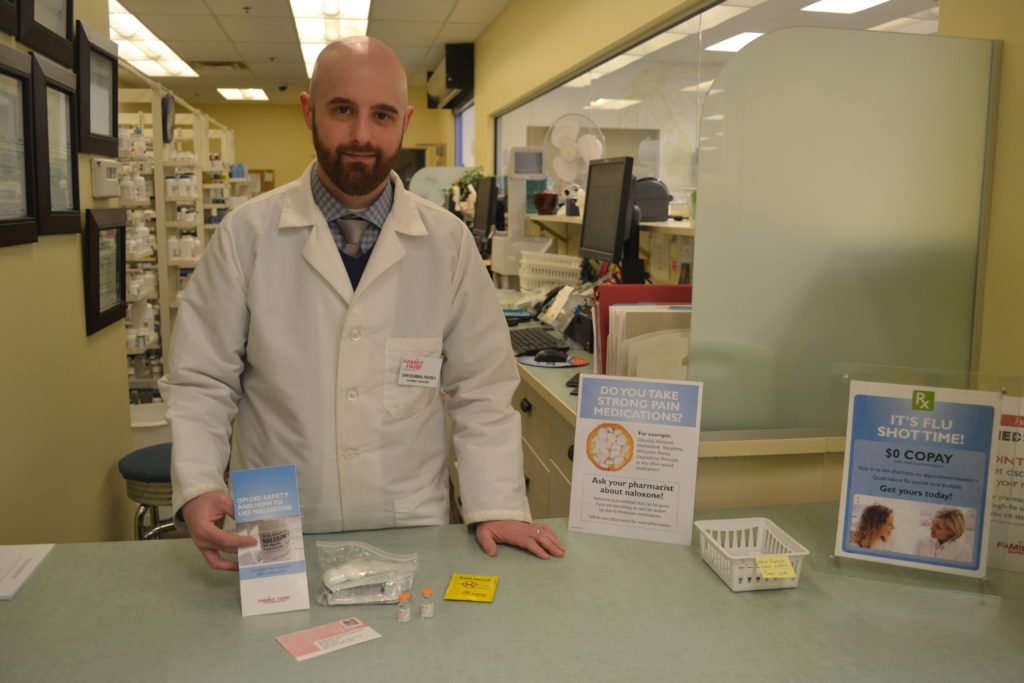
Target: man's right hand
<point>202,514</point>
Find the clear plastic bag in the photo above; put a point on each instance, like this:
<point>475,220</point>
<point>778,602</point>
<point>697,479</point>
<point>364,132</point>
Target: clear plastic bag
<point>355,573</point>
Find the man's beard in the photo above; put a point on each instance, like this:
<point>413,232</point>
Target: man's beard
<point>354,178</point>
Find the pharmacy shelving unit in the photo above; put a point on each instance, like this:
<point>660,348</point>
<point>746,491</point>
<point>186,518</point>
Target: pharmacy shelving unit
<point>177,212</point>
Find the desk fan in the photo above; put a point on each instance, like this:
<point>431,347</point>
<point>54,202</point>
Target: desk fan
<point>570,144</point>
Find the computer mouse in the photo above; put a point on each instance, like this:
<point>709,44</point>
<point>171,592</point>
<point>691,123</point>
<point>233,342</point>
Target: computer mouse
<point>550,356</point>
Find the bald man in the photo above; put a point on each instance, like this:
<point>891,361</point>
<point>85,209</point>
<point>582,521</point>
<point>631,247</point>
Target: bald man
<point>325,324</point>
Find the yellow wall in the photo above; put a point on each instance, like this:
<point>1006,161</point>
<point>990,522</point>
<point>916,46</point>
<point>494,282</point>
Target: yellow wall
<point>267,136</point>
<point>1002,328</point>
<point>275,137</point>
<point>534,44</point>
<point>64,418</point>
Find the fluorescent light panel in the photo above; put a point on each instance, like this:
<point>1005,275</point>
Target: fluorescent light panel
<point>736,43</point>
<point>143,50</point>
<point>608,103</point>
<point>319,22</point>
<point>247,94</point>
<point>841,6</point>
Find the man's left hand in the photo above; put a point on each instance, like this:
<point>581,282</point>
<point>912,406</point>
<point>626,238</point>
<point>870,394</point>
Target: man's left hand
<point>539,539</point>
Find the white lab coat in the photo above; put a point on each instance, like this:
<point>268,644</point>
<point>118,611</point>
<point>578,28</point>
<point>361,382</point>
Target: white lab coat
<point>269,323</point>
<point>951,551</point>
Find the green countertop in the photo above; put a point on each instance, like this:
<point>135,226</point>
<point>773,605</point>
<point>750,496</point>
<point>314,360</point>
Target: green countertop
<point>612,610</point>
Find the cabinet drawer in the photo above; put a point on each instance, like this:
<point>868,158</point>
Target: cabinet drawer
<point>561,439</point>
<point>537,482</point>
<point>559,490</point>
<point>536,417</point>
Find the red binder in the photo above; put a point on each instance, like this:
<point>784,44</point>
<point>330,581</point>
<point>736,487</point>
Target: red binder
<point>607,295</point>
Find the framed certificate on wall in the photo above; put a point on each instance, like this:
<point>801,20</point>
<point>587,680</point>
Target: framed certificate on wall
<point>55,123</point>
<point>46,25</point>
<point>9,16</point>
<point>17,161</point>
<point>103,253</point>
<point>96,65</point>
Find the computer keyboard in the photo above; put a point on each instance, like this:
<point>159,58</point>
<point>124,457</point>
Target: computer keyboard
<point>527,340</point>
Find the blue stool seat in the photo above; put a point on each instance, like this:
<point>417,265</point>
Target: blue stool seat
<point>147,475</point>
<point>151,464</point>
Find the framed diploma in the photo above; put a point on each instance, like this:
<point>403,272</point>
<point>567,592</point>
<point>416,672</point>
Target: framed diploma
<point>46,25</point>
<point>17,161</point>
<point>96,66</point>
<point>103,266</point>
<point>54,123</point>
<point>9,16</point>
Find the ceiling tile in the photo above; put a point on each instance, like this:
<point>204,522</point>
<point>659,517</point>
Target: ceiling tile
<point>201,50</point>
<point>395,33</point>
<point>230,78</point>
<point>477,11</point>
<point>281,53</point>
<point>169,27</point>
<point>433,57</point>
<point>460,33</point>
<point>250,8</point>
<point>410,55</point>
<point>416,10</point>
<point>139,7</point>
<point>291,74</point>
<point>270,29</point>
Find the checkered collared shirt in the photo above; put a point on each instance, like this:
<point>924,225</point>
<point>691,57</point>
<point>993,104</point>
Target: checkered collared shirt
<point>375,214</point>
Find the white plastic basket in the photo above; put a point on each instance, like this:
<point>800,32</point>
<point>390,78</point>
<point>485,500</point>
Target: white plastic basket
<point>544,271</point>
<point>730,547</point>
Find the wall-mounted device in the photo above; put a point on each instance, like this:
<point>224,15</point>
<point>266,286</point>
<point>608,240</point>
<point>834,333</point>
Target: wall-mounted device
<point>104,178</point>
<point>167,111</point>
<point>524,163</point>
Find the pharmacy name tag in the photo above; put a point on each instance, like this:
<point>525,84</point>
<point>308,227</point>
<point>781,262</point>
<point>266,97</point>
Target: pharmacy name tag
<point>420,372</point>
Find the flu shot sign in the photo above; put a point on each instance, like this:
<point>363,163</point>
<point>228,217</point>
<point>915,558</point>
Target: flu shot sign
<point>917,477</point>
<point>635,462</point>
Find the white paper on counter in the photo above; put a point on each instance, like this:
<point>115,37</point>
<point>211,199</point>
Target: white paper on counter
<point>17,562</point>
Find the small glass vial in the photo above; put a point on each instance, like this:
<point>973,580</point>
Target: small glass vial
<point>404,610</point>
<point>426,603</point>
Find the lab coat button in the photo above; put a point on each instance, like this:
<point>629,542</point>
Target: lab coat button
<point>355,335</point>
<point>351,454</point>
<point>352,395</point>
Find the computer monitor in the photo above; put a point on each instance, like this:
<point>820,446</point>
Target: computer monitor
<point>485,215</point>
<point>610,222</point>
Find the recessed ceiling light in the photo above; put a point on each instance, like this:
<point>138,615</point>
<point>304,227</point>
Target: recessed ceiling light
<point>319,22</point>
<point>137,45</point>
<point>248,94</point>
<point>608,103</point>
<point>841,6</point>
<point>736,43</point>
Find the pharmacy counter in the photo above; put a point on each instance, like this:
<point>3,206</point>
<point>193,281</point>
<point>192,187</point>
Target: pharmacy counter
<point>734,468</point>
<point>611,610</point>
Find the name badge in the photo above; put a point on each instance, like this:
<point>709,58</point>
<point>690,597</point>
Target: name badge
<point>420,372</point>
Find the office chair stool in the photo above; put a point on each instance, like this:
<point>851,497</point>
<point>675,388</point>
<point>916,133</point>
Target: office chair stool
<point>147,474</point>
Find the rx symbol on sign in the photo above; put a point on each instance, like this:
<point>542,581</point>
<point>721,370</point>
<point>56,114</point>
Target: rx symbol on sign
<point>923,400</point>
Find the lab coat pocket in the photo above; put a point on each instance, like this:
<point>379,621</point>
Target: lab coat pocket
<point>401,400</point>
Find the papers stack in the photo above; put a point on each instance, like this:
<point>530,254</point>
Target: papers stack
<point>605,296</point>
<point>648,340</point>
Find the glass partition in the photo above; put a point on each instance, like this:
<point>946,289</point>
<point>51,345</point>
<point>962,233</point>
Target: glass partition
<point>839,217</point>
<point>646,101</point>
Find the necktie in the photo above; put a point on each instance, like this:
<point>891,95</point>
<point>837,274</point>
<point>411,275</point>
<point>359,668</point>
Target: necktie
<point>352,229</point>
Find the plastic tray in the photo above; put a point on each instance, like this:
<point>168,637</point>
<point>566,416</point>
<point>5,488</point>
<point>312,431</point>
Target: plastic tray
<point>730,547</point>
<point>544,271</point>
